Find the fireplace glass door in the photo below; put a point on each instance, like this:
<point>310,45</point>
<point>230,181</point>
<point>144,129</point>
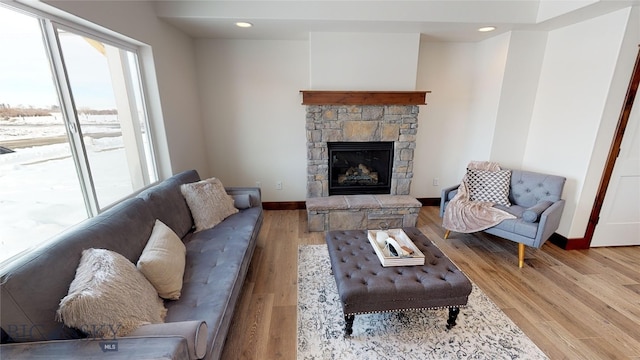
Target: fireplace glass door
<point>360,167</point>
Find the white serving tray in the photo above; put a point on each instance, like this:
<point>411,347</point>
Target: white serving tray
<point>386,259</point>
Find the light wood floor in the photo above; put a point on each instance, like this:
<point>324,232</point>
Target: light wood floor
<point>578,304</point>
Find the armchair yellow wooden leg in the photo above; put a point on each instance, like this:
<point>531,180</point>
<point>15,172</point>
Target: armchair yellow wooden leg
<point>446,233</point>
<point>520,255</point>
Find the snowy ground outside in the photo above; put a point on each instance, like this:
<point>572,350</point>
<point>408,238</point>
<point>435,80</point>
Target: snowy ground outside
<point>39,189</point>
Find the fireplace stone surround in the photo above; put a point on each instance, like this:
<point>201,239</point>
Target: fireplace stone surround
<point>360,123</point>
<point>334,116</point>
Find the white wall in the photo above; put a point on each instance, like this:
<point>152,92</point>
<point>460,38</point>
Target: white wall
<point>490,62</point>
<point>459,121</point>
<point>254,120</point>
<point>175,95</point>
<point>517,98</point>
<point>363,61</point>
<point>610,116</point>
<point>575,81</point>
<point>448,70</point>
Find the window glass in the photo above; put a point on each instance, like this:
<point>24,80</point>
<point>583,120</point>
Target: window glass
<point>105,102</point>
<point>74,137</point>
<point>40,193</point>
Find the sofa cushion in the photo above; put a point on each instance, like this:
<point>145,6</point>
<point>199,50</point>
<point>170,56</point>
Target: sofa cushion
<point>219,256</point>
<point>167,203</point>
<point>162,261</point>
<point>208,201</point>
<point>528,188</point>
<point>532,214</point>
<point>491,186</point>
<point>124,228</point>
<point>519,226</point>
<point>109,297</point>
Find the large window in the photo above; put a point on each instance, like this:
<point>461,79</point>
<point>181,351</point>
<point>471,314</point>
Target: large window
<point>74,136</point>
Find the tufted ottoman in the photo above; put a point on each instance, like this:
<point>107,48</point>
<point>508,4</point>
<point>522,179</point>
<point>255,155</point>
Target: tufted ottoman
<point>365,286</point>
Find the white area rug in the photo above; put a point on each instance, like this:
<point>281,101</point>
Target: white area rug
<point>483,331</point>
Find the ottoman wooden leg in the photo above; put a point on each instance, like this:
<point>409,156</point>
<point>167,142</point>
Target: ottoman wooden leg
<point>348,326</point>
<point>453,315</point>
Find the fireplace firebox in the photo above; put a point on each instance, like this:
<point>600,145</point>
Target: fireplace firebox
<point>360,167</point>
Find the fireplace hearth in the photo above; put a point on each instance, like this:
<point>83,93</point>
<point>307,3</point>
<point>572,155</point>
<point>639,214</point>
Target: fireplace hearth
<point>360,167</point>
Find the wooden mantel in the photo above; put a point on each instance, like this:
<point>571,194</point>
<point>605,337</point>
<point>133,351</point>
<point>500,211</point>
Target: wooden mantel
<point>321,97</point>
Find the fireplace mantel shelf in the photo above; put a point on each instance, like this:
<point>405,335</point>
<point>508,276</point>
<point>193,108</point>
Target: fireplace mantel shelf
<point>321,97</point>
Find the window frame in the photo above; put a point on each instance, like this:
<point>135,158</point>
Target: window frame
<point>49,25</point>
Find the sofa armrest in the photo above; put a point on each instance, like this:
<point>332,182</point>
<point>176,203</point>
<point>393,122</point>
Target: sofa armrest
<point>254,193</point>
<point>549,222</point>
<point>447,194</point>
<point>195,332</point>
<point>165,347</point>
<point>532,214</point>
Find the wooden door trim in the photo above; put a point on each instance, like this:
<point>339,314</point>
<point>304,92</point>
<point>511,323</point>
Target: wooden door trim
<point>614,150</point>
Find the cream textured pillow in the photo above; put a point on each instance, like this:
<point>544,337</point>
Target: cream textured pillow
<point>109,297</point>
<point>162,261</point>
<point>208,201</point>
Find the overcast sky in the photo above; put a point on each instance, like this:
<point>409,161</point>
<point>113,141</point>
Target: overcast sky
<point>25,75</point>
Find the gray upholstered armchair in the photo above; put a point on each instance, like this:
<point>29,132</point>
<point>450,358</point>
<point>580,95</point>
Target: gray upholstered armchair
<point>536,203</point>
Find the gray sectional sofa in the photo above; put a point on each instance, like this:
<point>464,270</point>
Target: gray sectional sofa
<point>217,261</point>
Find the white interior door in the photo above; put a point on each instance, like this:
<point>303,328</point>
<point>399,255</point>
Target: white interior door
<point>619,223</point>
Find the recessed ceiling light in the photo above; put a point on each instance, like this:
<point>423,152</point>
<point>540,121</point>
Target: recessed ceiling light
<point>487,28</point>
<point>244,24</point>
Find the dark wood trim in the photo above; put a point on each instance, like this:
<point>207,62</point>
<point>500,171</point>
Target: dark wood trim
<point>614,150</point>
<point>320,97</point>
<point>429,201</point>
<point>286,205</point>
<point>578,244</point>
<point>569,244</point>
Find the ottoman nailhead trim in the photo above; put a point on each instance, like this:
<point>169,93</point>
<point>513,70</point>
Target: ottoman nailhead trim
<point>407,309</point>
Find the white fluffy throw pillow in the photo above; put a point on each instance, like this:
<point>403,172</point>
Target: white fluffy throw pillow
<point>162,261</point>
<point>208,201</point>
<point>109,297</point>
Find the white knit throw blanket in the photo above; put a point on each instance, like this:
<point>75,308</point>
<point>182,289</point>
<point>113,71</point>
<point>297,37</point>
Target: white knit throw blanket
<point>466,216</point>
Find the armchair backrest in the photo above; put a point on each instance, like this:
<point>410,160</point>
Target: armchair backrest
<point>527,187</point>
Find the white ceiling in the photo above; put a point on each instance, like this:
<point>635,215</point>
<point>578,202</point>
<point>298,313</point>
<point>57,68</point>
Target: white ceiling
<point>438,20</point>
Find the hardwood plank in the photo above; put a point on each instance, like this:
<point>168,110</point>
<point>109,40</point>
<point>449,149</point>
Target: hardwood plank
<point>236,337</point>
<point>257,329</point>
<point>577,304</point>
<point>278,275</point>
<point>284,322</point>
<point>571,347</point>
<point>614,295</point>
<point>552,350</point>
<point>627,268</point>
<point>634,287</point>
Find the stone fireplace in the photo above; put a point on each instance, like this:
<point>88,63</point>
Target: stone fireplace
<point>360,148</point>
<point>361,117</point>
